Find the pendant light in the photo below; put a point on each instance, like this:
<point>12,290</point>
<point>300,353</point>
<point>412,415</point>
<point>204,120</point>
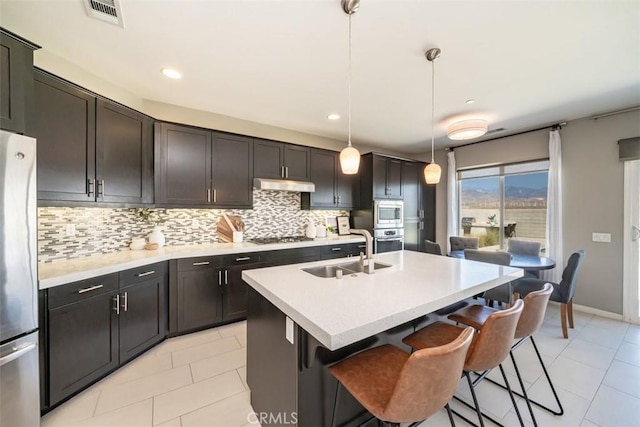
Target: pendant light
<point>432,171</point>
<point>350,157</point>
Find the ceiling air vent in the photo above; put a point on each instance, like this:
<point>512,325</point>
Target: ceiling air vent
<point>105,10</point>
<point>495,130</point>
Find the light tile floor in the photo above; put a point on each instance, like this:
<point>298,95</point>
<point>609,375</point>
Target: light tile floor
<point>200,380</point>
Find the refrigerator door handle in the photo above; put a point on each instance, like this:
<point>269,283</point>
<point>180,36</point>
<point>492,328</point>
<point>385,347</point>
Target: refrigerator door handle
<point>17,353</point>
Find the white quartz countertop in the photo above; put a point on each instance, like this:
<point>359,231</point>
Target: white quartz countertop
<point>339,312</point>
<point>62,272</point>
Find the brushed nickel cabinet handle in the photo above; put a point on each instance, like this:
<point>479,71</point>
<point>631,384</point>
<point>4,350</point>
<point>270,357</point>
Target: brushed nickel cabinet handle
<point>89,289</point>
<point>208,195</point>
<point>215,196</point>
<point>336,249</point>
<point>125,305</point>
<point>146,273</point>
<point>282,171</point>
<point>244,258</point>
<point>219,277</point>
<point>116,299</point>
<point>226,277</point>
<point>100,188</point>
<point>286,172</point>
<point>201,263</point>
<point>91,185</point>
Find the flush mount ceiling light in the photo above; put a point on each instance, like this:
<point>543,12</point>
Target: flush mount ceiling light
<point>171,73</point>
<point>432,171</point>
<point>333,116</point>
<point>350,157</point>
<point>467,129</point>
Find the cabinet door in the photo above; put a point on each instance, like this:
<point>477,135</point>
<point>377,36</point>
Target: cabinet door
<point>141,317</point>
<point>394,178</point>
<point>411,191</point>
<point>183,165</point>
<point>199,299</point>
<point>232,171</point>
<point>323,175</point>
<point>83,344</point>
<point>380,188</point>
<point>235,292</point>
<point>63,121</point>
<point>297,161</point>
<point>16,83</point>
<point>123,154</point>
<point>268,159</point>
<point>347,188</point>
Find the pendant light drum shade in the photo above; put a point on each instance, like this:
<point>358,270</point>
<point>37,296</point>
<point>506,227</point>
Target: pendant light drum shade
<point>349,160</point>
<point>467,129</point>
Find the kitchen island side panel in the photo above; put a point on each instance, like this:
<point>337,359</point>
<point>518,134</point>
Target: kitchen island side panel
<point>272,364</point>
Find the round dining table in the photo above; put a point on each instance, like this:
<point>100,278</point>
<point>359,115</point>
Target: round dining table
<point>526,262</point>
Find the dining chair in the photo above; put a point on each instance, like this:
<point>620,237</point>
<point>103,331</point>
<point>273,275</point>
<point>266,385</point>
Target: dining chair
<point>490,347</point>
<point>399,387</point>
<point>502,293</point>
<point>562,292</point>
<point>535,306</point>
<point>432,247</point>
<point>524,247</point>
<point>462,243</point>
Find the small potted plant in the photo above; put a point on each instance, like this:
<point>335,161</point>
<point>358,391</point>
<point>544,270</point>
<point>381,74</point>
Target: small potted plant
<point>147,215</point>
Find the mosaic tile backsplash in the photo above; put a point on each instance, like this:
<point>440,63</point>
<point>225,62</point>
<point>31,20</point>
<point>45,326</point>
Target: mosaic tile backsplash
<point>104,230</point>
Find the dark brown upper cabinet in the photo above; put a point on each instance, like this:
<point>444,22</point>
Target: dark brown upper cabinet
<point>277,160</point>
<point>196,167</point>
<point>89,149</point>
<point>334,190</point>
<point>16,81</point>
<point>387,182</point>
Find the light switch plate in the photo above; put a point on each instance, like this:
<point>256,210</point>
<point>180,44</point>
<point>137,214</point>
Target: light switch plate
<point>601,237</point>
<point>289,331</point>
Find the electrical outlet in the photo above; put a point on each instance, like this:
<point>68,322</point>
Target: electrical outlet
<point>601,237</point>
<point>71,230</point>
<point>195,223</point>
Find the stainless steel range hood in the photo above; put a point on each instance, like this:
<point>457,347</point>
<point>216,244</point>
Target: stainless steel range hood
<point>283,185</point>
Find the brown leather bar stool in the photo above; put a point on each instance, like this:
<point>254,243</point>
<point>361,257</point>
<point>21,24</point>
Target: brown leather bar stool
<point>397,387</point>
<point>490,348</point>
<point>535,306</point>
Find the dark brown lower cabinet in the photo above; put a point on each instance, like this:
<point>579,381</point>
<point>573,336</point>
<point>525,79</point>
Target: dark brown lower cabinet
<point>83,344</point>
<point>235,290</point>
<point>197,294</point>
<point>93,326</point>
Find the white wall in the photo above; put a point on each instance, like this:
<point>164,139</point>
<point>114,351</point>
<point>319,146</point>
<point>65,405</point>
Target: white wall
<point>593,195</point>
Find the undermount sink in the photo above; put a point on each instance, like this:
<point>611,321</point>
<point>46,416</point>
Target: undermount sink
<point>329,271</point>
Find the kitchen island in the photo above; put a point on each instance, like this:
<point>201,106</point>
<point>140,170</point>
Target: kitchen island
<point>298,324</point>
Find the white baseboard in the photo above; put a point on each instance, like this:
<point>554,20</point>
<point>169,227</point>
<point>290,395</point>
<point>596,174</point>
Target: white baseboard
<point>591,310</point>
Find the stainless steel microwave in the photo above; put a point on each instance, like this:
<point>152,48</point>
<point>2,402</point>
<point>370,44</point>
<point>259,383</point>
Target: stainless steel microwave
<point>388,213</point>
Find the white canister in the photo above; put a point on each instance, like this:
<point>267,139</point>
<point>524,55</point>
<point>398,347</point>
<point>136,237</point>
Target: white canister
<point>321,231</point>
<point>137,244</point>
<point>237,236</point>
<point>156,236</point>
<point>311,230</point>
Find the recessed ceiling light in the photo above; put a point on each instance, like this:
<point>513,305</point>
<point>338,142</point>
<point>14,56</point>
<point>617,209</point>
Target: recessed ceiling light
<point>333,116</point>
<point>171,73</point>
<point>470,101</point>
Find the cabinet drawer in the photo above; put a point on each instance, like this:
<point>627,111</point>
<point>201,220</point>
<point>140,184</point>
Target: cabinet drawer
<point>291,256</point>
<point>240,259</point>
<point>199,263</point>
<point>78,291</point>
<point>141,274</point>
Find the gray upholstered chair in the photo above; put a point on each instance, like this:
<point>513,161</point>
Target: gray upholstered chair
<point>432,247</point>
<point>524,247</point>
<point>462,243</point>
<point>502,293</point>
<point>562,292</point>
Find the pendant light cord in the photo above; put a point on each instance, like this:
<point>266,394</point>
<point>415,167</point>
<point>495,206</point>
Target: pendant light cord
<point>349,81</point>
<point>433,102</point>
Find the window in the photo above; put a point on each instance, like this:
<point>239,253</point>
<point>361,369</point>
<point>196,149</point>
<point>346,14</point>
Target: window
<point>501,202</point>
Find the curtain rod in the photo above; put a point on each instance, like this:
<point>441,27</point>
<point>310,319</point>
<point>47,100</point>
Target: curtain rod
<point>554,127</point>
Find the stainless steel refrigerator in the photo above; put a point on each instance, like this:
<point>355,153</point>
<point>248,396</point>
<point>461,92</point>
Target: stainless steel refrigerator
<point>19,380</point>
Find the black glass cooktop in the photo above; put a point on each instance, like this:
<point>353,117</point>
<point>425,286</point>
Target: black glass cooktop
<point>284,239</point>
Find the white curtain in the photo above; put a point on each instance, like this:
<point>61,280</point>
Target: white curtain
<point>452,198</point>
<point>554,247</point>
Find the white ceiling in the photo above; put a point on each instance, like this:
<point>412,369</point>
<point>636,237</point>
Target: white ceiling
<point>284,63</point>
